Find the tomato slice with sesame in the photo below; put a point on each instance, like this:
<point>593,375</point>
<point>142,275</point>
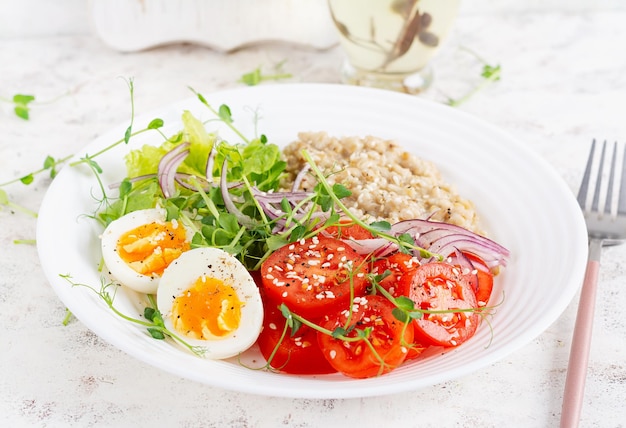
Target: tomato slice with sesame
<point>295,354</point>
<point>388,339</point>
<point>314,276</point>
<point>397,264</point>
<point>440,287</point>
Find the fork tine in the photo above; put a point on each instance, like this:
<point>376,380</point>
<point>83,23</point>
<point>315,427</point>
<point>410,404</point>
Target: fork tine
<point>621,201</point>
<point>609,192</point>
<point>596,194</point>
<point>584,185</point>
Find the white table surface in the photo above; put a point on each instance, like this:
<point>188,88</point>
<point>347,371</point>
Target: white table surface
<point>563,84</point>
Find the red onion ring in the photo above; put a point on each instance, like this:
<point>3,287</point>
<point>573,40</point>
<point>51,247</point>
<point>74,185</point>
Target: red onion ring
<point>168,165</point>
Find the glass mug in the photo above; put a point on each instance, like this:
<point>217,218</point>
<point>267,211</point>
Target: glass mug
<point>389,43</point>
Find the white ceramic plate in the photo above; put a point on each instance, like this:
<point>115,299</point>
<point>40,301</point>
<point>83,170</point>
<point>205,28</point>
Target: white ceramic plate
<point>524,205</point>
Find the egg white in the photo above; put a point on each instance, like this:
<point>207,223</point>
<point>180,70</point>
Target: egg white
<point>117,267</point>
<point>183,272</point>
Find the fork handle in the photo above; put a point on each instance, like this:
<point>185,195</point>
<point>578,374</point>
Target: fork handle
<point>579,352</point>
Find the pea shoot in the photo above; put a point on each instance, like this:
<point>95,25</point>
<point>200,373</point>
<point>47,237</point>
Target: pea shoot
<point>21,105</point>
<point>256,76</point>
<point>153,320</point>
<point>5,201</point>
<point>489,74</point>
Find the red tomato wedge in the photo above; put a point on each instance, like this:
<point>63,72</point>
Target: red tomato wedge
<point>389,338</point>
<point>397,264</point>
<point>348,231</point>
<point>485,279</point>
<point>314,277</point>
<point>439,286</point>
<point>295,354</point>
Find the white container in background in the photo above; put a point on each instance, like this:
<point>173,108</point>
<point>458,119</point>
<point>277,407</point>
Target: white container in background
<point>224,25</point>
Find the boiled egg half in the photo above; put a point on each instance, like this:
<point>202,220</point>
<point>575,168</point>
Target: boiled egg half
<point>208,298</point>
<point>138,246</point>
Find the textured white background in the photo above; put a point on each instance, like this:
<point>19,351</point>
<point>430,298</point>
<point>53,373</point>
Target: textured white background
<point>564,83</point>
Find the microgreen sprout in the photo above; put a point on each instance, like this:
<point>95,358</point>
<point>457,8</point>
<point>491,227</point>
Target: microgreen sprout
<point>223,113</point>
<point>21,105</point>
<point>155,124</point>
<point>257,76</point>
<point>489,74</point>
<point>25,241</point>
<point>49,164</point>
<point>67,317</point>
<point>153,319</point>
<point>5,201</point>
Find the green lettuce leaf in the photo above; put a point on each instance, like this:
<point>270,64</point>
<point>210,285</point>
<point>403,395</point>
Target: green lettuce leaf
<point>258,161</point>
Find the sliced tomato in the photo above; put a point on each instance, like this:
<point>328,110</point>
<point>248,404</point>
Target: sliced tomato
<point>397,264</point>
<point>295,354</point>
<point>388,338</point>
<point>485,279</point>
<point>314,276</point>
<point>348,230</point>
<point>440,287</point>
<point>480,277</point>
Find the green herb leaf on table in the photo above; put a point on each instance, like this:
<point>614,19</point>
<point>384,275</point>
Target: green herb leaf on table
<point>256,76</point>
<point>21,105</point>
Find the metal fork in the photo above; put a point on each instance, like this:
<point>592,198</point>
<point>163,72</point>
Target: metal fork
<point>606,225</point>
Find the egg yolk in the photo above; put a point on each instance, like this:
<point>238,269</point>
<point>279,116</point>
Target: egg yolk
<point>208,309</point>
<point>150,248</point>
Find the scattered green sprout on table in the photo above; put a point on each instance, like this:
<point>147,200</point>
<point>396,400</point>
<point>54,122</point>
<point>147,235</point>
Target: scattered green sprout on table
<point>256,76</point>
<point>49,164</point>
<point>5,201</point>
<point>489,74</point>
<point>21,104</point>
